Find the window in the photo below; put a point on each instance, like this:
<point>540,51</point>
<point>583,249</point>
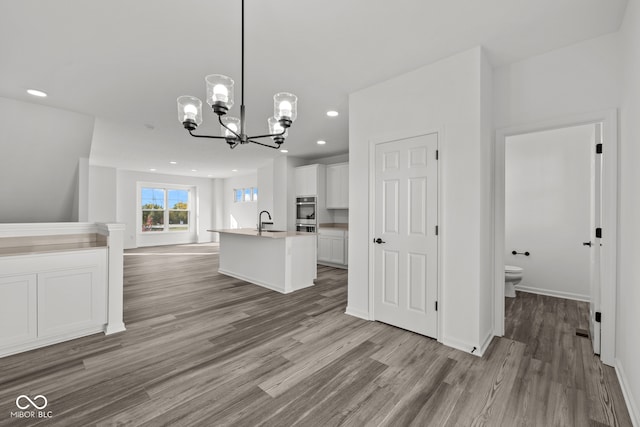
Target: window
<point>165,209</point>
<point>245,194</point>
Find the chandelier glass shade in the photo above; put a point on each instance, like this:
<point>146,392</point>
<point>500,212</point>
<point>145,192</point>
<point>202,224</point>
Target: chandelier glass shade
<point>220,94</point>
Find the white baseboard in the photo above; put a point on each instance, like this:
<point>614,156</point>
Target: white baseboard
<point>44,342</point>
<point>255,281</point>
<point>552,293</point>
<point>357,313</point>
<point>485,344</point>
<point>628,397</point>
<point>114,328</point>
<point>462,346</point>
<point>330,264</point>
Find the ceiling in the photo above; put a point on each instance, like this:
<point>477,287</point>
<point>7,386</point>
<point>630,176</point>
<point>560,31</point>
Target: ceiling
<point>126,62</point>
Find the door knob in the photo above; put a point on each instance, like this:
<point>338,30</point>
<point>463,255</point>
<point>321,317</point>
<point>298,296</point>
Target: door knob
<point>586,244</point>
<point>378,241</point>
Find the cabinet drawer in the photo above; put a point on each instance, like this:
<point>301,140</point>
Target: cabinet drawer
<point>331,232</point>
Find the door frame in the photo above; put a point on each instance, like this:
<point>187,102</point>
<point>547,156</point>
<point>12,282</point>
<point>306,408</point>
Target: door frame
<point>391,137</point>
<point>609,220</point>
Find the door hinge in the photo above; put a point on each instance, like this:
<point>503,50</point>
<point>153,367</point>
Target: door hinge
<point>598,148</point>
<point>437,230</point>
<point>598,316</point>
<point>437,154</point>
<point>599,233</point>
<point>436,305</point>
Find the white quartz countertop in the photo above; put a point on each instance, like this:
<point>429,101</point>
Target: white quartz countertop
<point>266,234</point>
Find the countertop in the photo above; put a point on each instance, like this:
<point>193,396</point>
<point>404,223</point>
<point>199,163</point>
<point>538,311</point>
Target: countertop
<point>268,234</point>
<point>41,249</point>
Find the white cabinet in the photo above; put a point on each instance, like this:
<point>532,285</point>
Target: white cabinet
<point>70,300</point>
<point>338,186</point>
<point>49,298</point>
<point>18,306</point>
<point>331,247</point>
<point>310,181</point>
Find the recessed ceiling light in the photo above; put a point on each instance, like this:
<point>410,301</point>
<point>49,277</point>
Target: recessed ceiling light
<point>153,169</point>
<point>234,170</point>
<point>284,151</point>
<point>36,92</point>
<point>194,170</point>
<point>173,163</point>
<point>321,142</point>
<point>209,176</point>
<point>332,113</point>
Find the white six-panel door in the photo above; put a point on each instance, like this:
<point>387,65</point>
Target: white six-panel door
<point>405,219</point>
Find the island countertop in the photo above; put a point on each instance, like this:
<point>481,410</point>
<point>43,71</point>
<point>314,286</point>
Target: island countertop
<point>265,233</point>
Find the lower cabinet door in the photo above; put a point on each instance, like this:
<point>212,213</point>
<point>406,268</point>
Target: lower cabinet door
<point>337,250</point>
<point>18,307</point>
<point>324,248</point>
<point>70,300</point>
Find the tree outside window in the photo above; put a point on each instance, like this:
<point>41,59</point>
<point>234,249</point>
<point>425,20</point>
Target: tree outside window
<point>165,209</point>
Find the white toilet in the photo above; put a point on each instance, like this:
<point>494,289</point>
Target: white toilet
<point>512,276</point>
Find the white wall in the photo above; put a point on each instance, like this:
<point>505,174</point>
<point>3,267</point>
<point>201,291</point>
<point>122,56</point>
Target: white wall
<point>487,231</point>
<point>241,214</point>
<point>627,342</point>
<point>277,177</point>
<point>548,209</point>
<point>445,96</point>
<point>217,210</point>
<point>579,78</point>
<point>102,194</point>
<point>265,185</point>
<point>41,149</point>
<point>338,158</point>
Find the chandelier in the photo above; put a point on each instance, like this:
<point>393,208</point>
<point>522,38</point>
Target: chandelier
<point>220,98</point>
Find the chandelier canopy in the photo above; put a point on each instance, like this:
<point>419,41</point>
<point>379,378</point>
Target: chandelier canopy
<point>220,98</point>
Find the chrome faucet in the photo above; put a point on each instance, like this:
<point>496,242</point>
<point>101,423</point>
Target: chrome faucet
<point>260,220</point>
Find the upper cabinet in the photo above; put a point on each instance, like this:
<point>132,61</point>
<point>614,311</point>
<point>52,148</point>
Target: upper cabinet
<point>307,180</point>
<point>338,186</point>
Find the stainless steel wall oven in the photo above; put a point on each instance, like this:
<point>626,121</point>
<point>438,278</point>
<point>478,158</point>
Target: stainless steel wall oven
<point>306,218</point>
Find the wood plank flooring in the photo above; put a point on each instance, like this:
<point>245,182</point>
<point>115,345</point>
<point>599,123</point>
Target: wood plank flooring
<point>203,349</point>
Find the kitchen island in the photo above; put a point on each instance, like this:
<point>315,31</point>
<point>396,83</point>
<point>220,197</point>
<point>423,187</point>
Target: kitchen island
<point>283,261</point>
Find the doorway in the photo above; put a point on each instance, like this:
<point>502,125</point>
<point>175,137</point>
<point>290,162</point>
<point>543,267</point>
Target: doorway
<point>405,242</point>
<point>598,263</point>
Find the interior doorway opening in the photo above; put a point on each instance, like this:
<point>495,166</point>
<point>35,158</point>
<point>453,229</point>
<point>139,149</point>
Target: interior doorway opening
<point>552,209</point>
<point>602,187</point>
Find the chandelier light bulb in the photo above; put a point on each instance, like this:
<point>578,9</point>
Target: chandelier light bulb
<point>220,93</point>
<point>232,123</point>
<point>190,112</point>
<point>285,109</point>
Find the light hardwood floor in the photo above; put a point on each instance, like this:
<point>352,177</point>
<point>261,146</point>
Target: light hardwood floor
<point>205,349</point>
